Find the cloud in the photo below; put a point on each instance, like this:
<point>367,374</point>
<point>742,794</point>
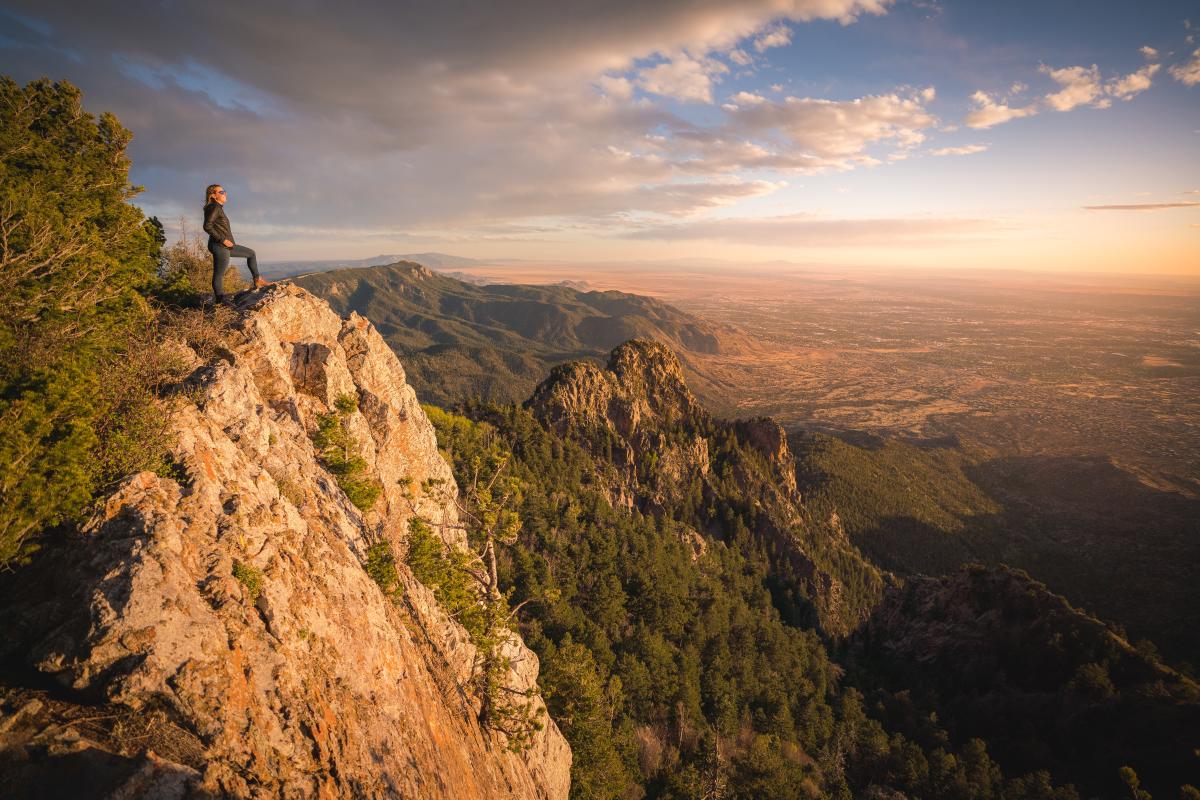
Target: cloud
<point>965,150</point>
<point>1148,52</point>
<point>743,99</point>
<point>372,115</point>
<point>803,230</point>
<point>748,99</point>
<point>775,37</point>
<point>1143,206</point>
<point>833,130</point>
<point>740,57</point>
<point>601,204</point>
<point>682,78</point>
<point>1187,73</point>
<point>615,86</point>
<point>1133,83</point>
<point>990,111</point>
<point>1080,86</point>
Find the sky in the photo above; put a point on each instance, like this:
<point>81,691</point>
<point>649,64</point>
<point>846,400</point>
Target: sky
<point>956,134</point>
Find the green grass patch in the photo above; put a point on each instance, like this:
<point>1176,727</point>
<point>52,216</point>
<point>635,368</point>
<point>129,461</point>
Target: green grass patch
<point>250,577</point>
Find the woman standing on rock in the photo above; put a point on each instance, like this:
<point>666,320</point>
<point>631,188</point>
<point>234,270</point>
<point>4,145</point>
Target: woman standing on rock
<point>221,244</point>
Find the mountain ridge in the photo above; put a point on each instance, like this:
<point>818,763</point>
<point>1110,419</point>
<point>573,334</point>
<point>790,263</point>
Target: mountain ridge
<point>497,342</point>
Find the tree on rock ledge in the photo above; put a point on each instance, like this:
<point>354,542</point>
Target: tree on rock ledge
<point>74,255</point>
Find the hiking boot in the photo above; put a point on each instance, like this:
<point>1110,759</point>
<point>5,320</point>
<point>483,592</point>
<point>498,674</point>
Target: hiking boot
<point>259,283</point>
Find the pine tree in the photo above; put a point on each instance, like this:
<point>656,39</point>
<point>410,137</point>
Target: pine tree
<point>73,255</point>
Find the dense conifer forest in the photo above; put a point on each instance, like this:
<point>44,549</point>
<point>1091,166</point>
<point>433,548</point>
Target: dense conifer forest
<point>675,671</point>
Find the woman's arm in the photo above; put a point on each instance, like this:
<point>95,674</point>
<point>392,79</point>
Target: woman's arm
<point>210,220</point>
<point>212,226</point>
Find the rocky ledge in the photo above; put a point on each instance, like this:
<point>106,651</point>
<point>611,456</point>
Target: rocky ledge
<point>230,602</point>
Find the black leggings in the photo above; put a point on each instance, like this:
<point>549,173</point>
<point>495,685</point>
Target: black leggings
<point>221,255</point>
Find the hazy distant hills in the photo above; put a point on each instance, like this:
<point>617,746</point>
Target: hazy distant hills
<point>460,340</point>
<point>439,261</point>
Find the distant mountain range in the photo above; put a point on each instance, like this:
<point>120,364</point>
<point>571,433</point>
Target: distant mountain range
<point>460,340</point>
<point>439,261</point>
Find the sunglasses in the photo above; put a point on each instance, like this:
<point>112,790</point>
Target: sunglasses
<point>219,191</point>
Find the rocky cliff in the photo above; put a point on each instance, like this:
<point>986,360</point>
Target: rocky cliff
<point>225,613</point>
<point>667,452</point>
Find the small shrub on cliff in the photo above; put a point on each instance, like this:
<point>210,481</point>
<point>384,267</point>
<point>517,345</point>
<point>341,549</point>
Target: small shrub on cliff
<point>467,583</point>
<point>445,572</point>
<point>290,491</point>
<point>1131,780</point>
<point>338,450</point>
<point>208,332</point>
<point>250,577</point>
<point>381,566</point>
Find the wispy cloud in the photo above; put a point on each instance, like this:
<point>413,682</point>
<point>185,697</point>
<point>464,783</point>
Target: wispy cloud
<point>777,36</point>
<point>1143,206</point>
<point>801,230</point>
<point>964,150</point>
<point>1134,83</point>
<point>682,78</point>
<point>990,111</point>
<point>1187,73</point>
<point>1080,86</point>
<point>836,132</point>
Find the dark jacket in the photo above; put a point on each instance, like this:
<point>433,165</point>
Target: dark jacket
<point>216,224</point>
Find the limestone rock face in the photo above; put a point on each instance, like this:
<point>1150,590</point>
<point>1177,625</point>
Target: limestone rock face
<point>234,599</point>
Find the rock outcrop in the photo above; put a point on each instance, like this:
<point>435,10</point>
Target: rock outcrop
<point>640,412</point>
<point>769,439</point>
<point>232,599</point>
<point>639,416</point>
